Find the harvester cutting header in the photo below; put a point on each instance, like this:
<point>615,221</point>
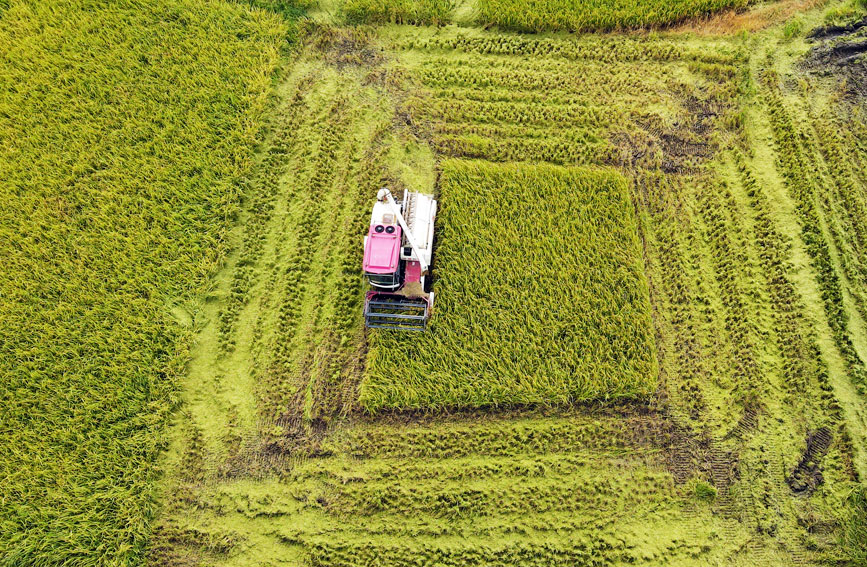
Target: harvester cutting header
<point>397,256</point>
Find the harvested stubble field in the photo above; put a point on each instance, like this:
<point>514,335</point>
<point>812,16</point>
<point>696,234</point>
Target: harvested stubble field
<point>734,166</point>
<point>526,490</point>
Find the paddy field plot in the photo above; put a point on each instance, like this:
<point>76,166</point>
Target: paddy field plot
<point>741,451</point>
<point>541,295</point>
<point>535,15</point>
<point>123,129</point>
<point>583,15</point>
<point>140,155</point>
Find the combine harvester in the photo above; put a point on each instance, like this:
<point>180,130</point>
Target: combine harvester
<point>397,256</point>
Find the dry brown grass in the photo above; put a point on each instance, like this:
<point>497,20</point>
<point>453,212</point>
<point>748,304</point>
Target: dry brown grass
<point>756,18</point>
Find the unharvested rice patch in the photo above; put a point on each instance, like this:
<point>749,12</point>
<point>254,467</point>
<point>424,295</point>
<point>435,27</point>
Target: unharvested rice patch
<point>124,127</point>
<point>581,15</point>
<point>525,315</point>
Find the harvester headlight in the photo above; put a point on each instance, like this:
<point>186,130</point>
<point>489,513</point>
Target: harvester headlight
<point>389,229</point>
<point>378,228</point>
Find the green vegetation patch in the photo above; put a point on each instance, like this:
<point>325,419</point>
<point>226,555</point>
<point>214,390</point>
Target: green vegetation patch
<point>123,127</point>
<point>540,295</point>
<point>855,527</point>
<point>582,15</point>
<point>417,12</point>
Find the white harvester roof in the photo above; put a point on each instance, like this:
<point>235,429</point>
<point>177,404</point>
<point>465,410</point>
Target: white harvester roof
<point>419,212</point>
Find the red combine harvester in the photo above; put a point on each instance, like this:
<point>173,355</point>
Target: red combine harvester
<point>397,256</point>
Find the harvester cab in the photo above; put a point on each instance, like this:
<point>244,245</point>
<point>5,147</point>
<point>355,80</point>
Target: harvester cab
<point>397,255</point>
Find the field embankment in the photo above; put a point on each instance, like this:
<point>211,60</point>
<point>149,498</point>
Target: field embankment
<point>123,128</point>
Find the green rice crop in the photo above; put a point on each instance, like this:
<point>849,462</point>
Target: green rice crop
<point>123,127</point>
<point>418,12</point>
<point>584,15</point>
<point>541,295</point>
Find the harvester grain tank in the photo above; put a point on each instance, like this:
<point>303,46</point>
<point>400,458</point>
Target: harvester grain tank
<point>397,256</point>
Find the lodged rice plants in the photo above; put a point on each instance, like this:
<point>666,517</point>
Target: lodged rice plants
<point>528,491</point>
<point>583,15</point>
<point>124,126</point>
<point>798,171</point>
<point>541,295</point>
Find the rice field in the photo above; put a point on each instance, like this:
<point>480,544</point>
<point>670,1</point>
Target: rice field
<point>193,253</point>
<point>739,441</point>
<point>416,12</point>
<point>600,15</point>
<point>123,130</point>
<point>541,296</point>
<point>536,15</point>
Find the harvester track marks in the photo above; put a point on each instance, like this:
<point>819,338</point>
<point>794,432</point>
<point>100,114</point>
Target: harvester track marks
<point>736,284</point>
<point>685,454</point>
<point>799,174</point>
<point>286,373</point>
<point>745,425</point>
<point>553,435</point>
<point>801,359</point>
<point>682,390</point>
<point>722,466</point>
<point>609,51</point>
<point>833,31</point>
<point>807,475</point>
